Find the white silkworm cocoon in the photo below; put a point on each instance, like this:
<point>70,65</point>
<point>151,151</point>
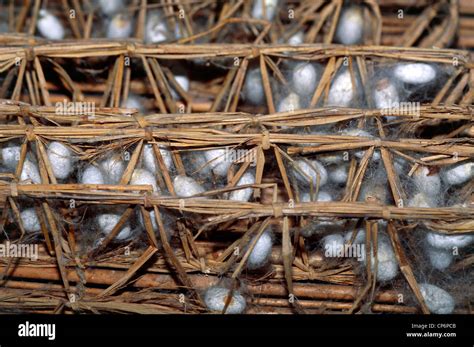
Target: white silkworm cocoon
<point>290,103</point>
<point>261,252</point>
<point>49,26</point>
<point>92,175</point>
<point>304,78</point>
<point>427,182</point>
<point>253,88</point>
<point>323,196</point>
<point>350,28</point>
<point>145,177</point>
<point>10,156</point>
<point>438,300</point>
<point>458,174</point>
<point>30,172</point>
<point>30,220</point>
<point>387,268</point>
<point>113,167</point>
<point>60,157</point>
<point>243,194</point>
<point>268,13</point>
<point>386,94</point>
<point>332,244</point>
<point>107,222</point>
<point>358,239</point>
<point>422,200</point>
<point>341,92</point>
<point>156,29</point>
<point>313,171</point>
<point>110,7</point>
<point>448,242</point>
<point>216,298</point>
<point>338,173</point>
<point>149,158</point>
<point>219,161</point>
<point>185,186</point>
<point>296,39</point>
<point>440,259</point>
<point>415,73</point>
<point>120,27</point>
<point>183,82</point>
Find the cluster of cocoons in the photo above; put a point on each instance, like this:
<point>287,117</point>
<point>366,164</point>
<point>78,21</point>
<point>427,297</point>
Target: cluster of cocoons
<point>216,297</point>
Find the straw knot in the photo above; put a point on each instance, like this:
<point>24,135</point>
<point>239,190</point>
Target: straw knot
<point>24,110</point>
<point>265,140</point>
<point>13,189</point>
<point>255,52</point>
<point>30,133</point>
<point>146,200</point>
<point>142,122</point>
<point>277,210</point>
<point>386,213</point>
<point>131,48</point>
<point>30,54</point>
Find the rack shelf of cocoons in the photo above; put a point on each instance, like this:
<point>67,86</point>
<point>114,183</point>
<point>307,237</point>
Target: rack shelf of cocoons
<point>271,21</point>
<point>90,208</point>
<point>147,21</point>
<point>229,78</point>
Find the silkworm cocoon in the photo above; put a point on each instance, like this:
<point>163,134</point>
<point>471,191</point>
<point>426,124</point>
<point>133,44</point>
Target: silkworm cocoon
<point>341,92</point>
<point>422,200</point>
<point>290,103</point>
<point>359,238</point>
<point>10,156</point>
<point>107,221</point>
<point>304,78</point>
<point>113,167</point>
<point>92,175</point>
<point>185,186</point>
<point>120,27</point>
<point>30,220</point>
<point>332,244</point>
<point>415,73</point>
<point>387,268</point>
<point>141,176</point>
<point>216,298</point>
<point>296,39</point>
<point>60,157</point>
<point>427,182</point>
<point>110,7</point>
<point>156,29</point>
<point>438,300</point>
<point>50,26</point>
<point>261,252</point>
<point>313,170</point>
<point>458,174</point>
<point>183,82</point>
<point>134,101</point>
<point>338,173</point>
<point>243,194</point>
<point>271,7</point>
<point>385,94</point>
<point>448,242</point>
<point>371,192</point>
<point>323,196</point>
<point>30,172</point>
<point>350,28</point>
<point>253,88</point>
<point>440,259</point>
<point>331,158</point>
<point>218,161</point>
<point>149,159</point>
